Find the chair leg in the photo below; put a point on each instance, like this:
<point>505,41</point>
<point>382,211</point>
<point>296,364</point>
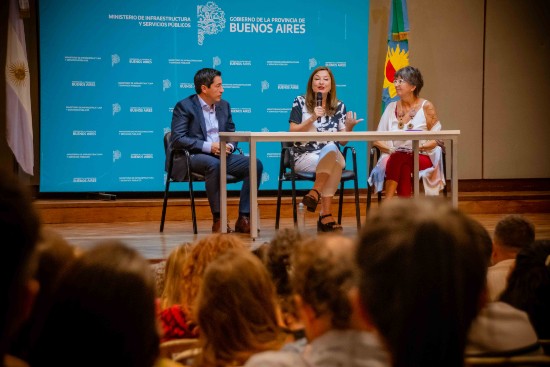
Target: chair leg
<point>193,214</point>
<point>278,211</point>
<point>164,204</point>
<point>340,202</point>
<point>294,209</point>
<point>369,196</point>
<point>357,209</point>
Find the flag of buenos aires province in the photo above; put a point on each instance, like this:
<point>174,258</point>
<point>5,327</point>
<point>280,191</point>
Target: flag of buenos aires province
<point>397,54</point>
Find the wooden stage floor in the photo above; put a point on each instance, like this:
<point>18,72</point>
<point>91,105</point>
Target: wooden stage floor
<point>146,238</point>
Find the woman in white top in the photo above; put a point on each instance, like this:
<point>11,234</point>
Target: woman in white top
<point>409,113</point>
<point>320,110</point>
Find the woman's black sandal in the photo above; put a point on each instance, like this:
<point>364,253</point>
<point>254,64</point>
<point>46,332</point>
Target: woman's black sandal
<point>328,227</point>
<point>310,201</point>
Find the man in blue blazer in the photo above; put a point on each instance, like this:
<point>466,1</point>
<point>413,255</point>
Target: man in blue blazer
<point>196,123</point>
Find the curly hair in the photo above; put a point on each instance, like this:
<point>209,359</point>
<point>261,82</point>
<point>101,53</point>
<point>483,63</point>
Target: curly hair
<point>236,310</point>
<point>203,253</point>
<point>323,275</point>
<point>279,256</point>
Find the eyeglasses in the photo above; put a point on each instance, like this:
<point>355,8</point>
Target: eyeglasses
<point>399,81</point>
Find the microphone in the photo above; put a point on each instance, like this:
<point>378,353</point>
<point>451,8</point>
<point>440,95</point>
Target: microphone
<point>319,103</point>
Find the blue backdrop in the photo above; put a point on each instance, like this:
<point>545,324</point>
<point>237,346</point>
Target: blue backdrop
<point>111,72</point>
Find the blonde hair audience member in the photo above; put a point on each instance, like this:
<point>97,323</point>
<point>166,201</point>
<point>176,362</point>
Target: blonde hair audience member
<point>236,310</point>
<point>173,274</point>
<point>177,302</point>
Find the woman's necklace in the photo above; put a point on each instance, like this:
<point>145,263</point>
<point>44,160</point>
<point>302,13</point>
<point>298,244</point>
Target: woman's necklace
<point>400,114</point>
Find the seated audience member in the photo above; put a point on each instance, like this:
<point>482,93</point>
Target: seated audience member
<point>176,311</point>
<point>279,264</point>
<point>53,254</point>
<point>499,329</point>
<point>159,268</point>
<point>422,274</point>
<point>103,312</point>
<point>19,225</point>
<point>528,286</point>
<point>171,291</point>
<point>236,310</point>
<point>322,279</point>
<point>512,233</point>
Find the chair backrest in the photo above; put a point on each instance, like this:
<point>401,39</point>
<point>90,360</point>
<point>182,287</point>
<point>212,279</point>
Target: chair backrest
<point>508,361</point>
<point>172,348</point>
<point>286,154</point>
<point>167,141</point>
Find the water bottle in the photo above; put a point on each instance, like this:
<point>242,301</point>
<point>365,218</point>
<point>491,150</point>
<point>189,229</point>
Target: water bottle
<point>301,217</point>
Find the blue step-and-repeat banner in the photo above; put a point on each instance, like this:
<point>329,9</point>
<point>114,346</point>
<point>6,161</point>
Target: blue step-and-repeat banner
<point>111,72</point>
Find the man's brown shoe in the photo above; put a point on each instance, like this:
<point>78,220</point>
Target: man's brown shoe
<point>217,226</point>
<point>243,224</point>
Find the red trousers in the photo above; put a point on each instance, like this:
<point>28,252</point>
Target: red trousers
<point>400,167</point>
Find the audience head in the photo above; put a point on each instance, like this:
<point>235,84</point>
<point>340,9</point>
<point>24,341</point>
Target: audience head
<point>528,286</point>
<point>279,256</point>
<point>311,97</point>
<point>205,77</point>
<point>173,271</point>
<point>484,239</point>
<point>19,226</point>
<point>512,233</point>
<point>204,251</point>
<point>322,278</point>
<point>422,273</point>
<point>236,310</point>
<point>52,255</point>
<point>411,75</point>
<point>103,309</point>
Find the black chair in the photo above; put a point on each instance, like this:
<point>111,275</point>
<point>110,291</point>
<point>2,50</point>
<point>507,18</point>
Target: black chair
<point>190,178</point>
<point>287,173</point>
<point>375,155</point>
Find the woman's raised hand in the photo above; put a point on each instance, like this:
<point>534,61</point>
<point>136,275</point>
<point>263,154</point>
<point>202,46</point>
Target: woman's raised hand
<point>351,120</point>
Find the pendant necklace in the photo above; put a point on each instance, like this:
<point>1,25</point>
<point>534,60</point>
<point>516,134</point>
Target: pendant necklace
<point>401,114</point>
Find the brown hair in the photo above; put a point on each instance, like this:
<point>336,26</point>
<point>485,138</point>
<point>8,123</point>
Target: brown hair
<point>514,231</point>
<point>236,310</point>
<point>204,251</point>
<point>332,99</point>
<point>411,75</point>
<point>324,274</point>
<point>422,272</point>
<point>103,307</point>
